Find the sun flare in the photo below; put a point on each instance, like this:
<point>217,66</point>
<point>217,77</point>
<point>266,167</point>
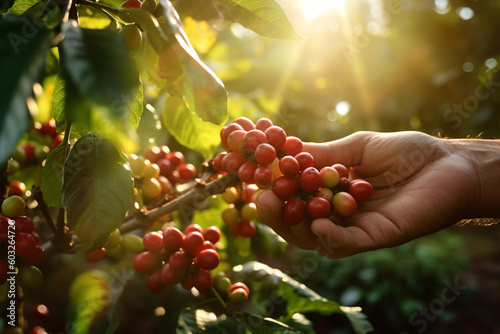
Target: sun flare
<point>314,8</point>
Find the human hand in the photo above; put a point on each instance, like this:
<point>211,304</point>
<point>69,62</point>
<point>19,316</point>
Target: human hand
<point>421,185</point>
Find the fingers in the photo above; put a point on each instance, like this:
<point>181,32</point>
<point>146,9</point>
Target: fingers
<point>347,151</point>
<point>269,208</point>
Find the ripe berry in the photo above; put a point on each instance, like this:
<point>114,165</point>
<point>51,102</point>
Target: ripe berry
<point>188,284</point>
<point>319,207</point>
<point>233,161</point>
<point>34,257</point>
<point>305,160</point>
<point>238,296</point>
<point>235,140</point>
<point>165,184</point>
<point>293,211</point>
<point>47,128</point>
<point>172,239</point>
<point>39,312</point>
<point>329,177</point>
<point>193,228</point>
<point>154,282</point>
<point>212,234</point>
<point>265,154</point>
<point>293,146</point>
<point>263,124</point>
<point>165,166</point>
<point>226,131</point>
<point>25,244</point>
<point>245,123</point>
<point>207,259</point>
<point>208,245</point>
<point>342,170</point>
<point>29,152</point>
<point>289,166</point>
<point>16,187</point>
<point>246,172</point>
<point>326,193</point>
<point>96,255</point>
<point>344,204</point>
<point>193,243</point>
<point>310,180</point>
<point>178,261</point>
<point>252,139</point>
<point>131,4</point>
<point>217,162</point>
<point>202,281</point>
<point>239,285</point>
<point>168,276</point>
<point>146,262</point>
<point>361,190</point>
<point>187,172</point>
<point>176,158</point>
<point>24,224</point>
<point>263,176</point>
<point>153,241</point>
<point>284,187</point>
<point>247,228</point>
<point>156,153</point>
<point>276,136</point>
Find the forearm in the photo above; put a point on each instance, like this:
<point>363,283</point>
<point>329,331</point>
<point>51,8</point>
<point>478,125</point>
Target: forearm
<point>484,157</point>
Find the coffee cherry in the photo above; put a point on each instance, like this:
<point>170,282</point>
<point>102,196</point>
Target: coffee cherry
<point>207,259</point>
<point>233,161</point>
<point>293,146</point>
<point>150,171</point>
<point>226,131</point>
<point>25,244</point>
<point>137,164</point>
<point>165,166</point>
<point>178,261</point>
<point>187,172</point>
<point>235,140</point>
<point>13,206</point>
<point>114,239</point>
<point>326,193</point>
<point>238,296</point>
<point>265,154</point>
<point>252,139</point>
<point>132,36</point>
<point>263,124</point>
<point>132,243</point>
<point>172,239</point>
<point>149,5</point>
<point>34,257</point>
<point>165,184</point>
<point>47,128</point>
<point>293,211</point>
<point>29,152</point>
<point>96,255</point>
<point>246,172</point>
<point>230,195</point>
<point>151,189</point>
<point>156,153</point>
<point>146,262</point>
<point>168,276</point>
<point>361,190</point>
<point>249,211</point>
<point>285,187</point>
<point>16,187</point>
<point>131,4</point>
<point>239,285</point>
<point>193,243</point>
<point>344,204</point>
<point>247,228</point>
<point>217,162</point>
<point>222,283</point>
<point>193,228</point>
<point>289,166</point>
<point>329,177</point>
<point>305,160</point>
<point>342,170</point>
<point>276,136</point>
<point>176,158</point>
<point>310,180</point>
<point>319,207</point>
<point>24,224</point>
<point>202,281</point>
<point>188,284</point>
<point>212,234</point>
<point>154,282</point>
<point>263,176</point>
<point>343,184</point>
<point>245,123</point>
<point>30,278</point>
<point>39,312</point>
<point>153,241</point>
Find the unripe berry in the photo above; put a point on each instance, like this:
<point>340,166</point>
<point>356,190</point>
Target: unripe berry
<point>344,204</point>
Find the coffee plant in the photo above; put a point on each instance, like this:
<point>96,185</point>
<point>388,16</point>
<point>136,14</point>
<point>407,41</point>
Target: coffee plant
<point>129,185</point>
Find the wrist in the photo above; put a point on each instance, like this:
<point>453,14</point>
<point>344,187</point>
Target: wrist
<point>483,156</point>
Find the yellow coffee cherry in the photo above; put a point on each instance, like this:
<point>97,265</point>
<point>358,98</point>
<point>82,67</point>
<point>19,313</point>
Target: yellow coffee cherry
<point>133,36</point>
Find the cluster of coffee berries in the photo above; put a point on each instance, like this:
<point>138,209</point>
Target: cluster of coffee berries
<point>235,293</point>
<point>158,171</point>
<point>253,150</point>
<point>264,155</point>
<point>240,213</point>
<point>49,132</point>
<point>173,257</point>
<point>116,246</point>
<point>18,239</point>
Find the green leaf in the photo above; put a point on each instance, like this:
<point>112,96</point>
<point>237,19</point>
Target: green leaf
<point>203,91</point>
<point>21,6</point>
<point>52,177</point>
<point>188,129</point>
<point>97,189</point>
<point>46,11</point>
<point>89,295</point>
<point>264,17</point>
<point>102,90</point>
<point>23,46</point>
<point>358,320</point>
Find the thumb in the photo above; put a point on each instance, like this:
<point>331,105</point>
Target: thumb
<point>347,151</point>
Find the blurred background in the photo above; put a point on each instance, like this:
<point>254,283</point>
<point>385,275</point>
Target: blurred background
<point>381,65</point>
